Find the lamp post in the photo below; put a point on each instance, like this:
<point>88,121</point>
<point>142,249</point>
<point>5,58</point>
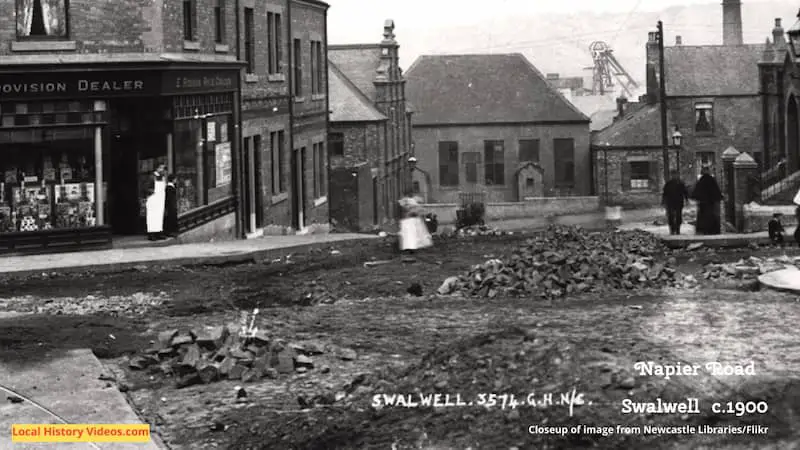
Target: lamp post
<point>677,138</point>
<point>794,38</point>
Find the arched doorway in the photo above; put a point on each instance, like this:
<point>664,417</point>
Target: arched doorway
<point>792,135</point>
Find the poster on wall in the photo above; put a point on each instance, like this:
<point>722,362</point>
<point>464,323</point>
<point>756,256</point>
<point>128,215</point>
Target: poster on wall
<point>211,131</point>
<point>224,169</point>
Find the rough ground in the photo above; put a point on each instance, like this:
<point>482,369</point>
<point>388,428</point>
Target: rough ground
<point>423,344</point>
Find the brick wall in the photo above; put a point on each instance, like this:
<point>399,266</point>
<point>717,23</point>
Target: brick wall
<point>362,144</point>
<point>736,122</point>
<point>471,139</point>
<point>618,190</point>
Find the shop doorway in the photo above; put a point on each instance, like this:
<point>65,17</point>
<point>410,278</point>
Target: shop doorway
<point>137,142</point>
<point>299,185</point>
<point>253,199</point>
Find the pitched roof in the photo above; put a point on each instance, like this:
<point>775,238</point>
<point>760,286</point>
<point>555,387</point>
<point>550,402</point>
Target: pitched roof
<point>639,128</point>
<point>497,88</point>
<point>347,103</point>
<point>358,62</point>
<point>710,70</point>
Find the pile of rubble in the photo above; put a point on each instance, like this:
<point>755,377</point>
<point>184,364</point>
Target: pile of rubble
<point>748,268</point>
<point>215,354</point>
<point>136,304</point>
<point>482,230</point>
<point>565,260</point>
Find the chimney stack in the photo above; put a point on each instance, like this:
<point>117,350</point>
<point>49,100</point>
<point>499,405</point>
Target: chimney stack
<point>621,102</point>
<point>678,40</point>
<point>652,66</point>
<point>732,22</point>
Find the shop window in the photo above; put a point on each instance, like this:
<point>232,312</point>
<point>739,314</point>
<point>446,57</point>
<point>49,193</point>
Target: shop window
<point>320,170</point>
<point>189,20</point>
<point>640,174</point>
<point>277,146</point>
<point>202,161</point>
<point>274,43</point>
<point>43,19</point>
<point>297,57</point>
<point>564,162</point>
<point>48,181</point>
<point>494,167</point>
<point>249,40</point>
<point>219,21</point>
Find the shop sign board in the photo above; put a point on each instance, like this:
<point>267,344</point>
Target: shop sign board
<point>104,84</point>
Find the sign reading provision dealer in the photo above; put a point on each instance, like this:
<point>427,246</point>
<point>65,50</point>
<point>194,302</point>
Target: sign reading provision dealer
<point>32,86</point>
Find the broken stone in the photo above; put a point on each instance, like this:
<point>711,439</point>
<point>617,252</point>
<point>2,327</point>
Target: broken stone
<point>250,375</point>
<point>303,361</point>
<point>235,373</point>
<point>192,356</point>
<point>261,338</point>
<point>165,337</point>
<point>187,380</point>
<point>142,362</point>
<point>181,339</point>
<point>347,354</point>
<point>312,348</point>
<point>208,372</point>
<point>227,364</point>
<point>270,373</point>
<point>214,338</point>
<point>694,246</point>
<point>448,286</point>
<point>285,362</point>
<point>301,369</point>
<point>628,383</point>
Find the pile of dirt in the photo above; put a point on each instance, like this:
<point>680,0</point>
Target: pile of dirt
<point>208,355</point>
<point>568,260</point>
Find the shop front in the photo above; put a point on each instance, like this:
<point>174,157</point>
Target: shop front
<point>78,149</point>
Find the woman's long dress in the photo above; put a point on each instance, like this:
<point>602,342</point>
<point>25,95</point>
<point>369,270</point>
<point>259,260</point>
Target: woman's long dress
<point>155,207</point>
<point>414,233</point>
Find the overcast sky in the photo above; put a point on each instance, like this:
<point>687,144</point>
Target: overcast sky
<point>353,21</point>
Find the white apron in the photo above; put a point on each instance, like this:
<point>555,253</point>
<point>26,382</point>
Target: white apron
<point>414,234</point>
<point>155,207</point>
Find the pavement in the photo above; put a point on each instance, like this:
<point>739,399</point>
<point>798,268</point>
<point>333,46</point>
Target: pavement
<point>119,259</point>
<point>69,385</point>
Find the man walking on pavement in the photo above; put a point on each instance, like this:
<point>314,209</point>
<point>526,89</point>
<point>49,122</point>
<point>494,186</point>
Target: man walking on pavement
<point>673,198</point>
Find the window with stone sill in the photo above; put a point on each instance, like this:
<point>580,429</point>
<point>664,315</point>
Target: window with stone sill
<point>42,19</point>
<point>704,118</point>
<point>189,20</point>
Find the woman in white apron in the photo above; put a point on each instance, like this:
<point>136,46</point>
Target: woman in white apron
<point>414,233</point>
<point>155,205</point>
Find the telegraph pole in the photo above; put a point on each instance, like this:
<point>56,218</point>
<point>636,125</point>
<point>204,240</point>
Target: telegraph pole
<point>662,97</point>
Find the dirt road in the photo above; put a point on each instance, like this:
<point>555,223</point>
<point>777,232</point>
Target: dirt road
<point>425,345</point>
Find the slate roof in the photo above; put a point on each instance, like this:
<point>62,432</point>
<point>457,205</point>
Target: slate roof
<point>347,103</point>
<point>490,88</point>
<point>711,70</point>
<point>637,129</point>
<point>358,63</point>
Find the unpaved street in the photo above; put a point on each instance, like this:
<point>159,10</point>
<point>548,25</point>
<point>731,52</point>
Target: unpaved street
<point>419,345</point>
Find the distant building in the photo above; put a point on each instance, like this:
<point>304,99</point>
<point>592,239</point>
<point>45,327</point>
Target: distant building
<point>370,132</point>
<point>492,124</point>
<point>712,98</point>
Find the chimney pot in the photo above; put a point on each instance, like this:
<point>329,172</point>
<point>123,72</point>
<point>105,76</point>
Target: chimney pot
<point>678,40</point>
<point>777,22</point>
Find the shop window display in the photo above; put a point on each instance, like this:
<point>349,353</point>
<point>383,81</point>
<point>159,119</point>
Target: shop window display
<point>204,181</point>
<point>46,187</point>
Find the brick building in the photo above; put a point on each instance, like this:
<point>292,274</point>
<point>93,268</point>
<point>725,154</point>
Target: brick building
<point>712,98</point>
<point>370,132</point>
<point>493,125</point>
<point>284,114</point>
<point>94,98</point>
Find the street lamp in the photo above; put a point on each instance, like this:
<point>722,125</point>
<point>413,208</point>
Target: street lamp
<point>412,162</point>
<point>677,138</point>
<point>794,38</point>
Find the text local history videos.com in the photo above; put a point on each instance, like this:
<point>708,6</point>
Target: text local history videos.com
<point>57,433</point>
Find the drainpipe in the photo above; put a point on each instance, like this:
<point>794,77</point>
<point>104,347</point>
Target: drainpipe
<point>327,109</point>
<point>295,205</point>
<point>239,181</point>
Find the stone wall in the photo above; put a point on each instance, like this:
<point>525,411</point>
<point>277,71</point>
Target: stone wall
<point>530,208</point>
<point>222,229</point>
